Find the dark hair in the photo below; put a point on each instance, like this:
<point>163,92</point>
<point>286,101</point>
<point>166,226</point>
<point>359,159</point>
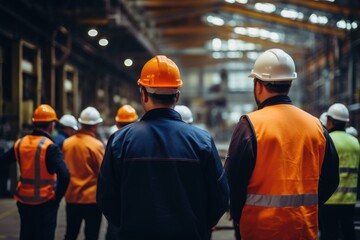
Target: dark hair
<point>337,124</point>
<point>42,125</point>
<point>168,99</point>
<point>276,87</point>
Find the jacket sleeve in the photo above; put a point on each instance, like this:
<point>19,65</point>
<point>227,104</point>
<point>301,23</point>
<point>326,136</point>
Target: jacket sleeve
<point>217,187</point>
<point>329,176</point>
<point>239,165</point>
<point>108,190</point>
<point>55,164</point>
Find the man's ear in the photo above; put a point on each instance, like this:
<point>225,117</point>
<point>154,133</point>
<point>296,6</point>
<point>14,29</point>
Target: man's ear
<point>145,95</point>
<point>177,97</point>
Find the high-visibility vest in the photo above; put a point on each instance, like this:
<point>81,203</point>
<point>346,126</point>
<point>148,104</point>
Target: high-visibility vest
<point>282,193</point>
<point>348,150</point>
<point>36,184</point>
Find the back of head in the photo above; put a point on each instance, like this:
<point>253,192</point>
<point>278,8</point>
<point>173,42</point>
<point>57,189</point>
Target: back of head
<point>339,112</point>
<point>126,114</point>
<point>90,116</point>
<point>275,66</point>
<point>185,112</point>
<point>69,120</point>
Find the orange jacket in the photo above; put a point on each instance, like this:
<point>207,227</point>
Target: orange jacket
<point>282,194</point>
<point>36,184</point>
<point>83,154</point>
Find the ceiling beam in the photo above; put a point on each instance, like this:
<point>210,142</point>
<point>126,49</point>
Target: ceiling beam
<point>272,18</point>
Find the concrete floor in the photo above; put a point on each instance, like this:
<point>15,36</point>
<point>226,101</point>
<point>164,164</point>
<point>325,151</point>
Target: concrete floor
<point>10,222</point>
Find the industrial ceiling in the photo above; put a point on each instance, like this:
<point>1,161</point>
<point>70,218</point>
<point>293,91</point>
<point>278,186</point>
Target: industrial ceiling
<point>201,33</point>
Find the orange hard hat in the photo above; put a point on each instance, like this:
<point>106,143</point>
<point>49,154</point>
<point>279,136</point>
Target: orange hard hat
<point>160,72</point>
<point>126,114</point>
<point>44,113</point>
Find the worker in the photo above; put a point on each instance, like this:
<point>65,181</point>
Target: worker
<point>185,112</point>
<point>281,163</point>
<point>352,131</point>
<point>67,126</point>
<point>162,178</point>
<point>339,210</point>
<point>125,115</point>
<point>83,154</point>
<point>41,165</point>
<point>323,119</point>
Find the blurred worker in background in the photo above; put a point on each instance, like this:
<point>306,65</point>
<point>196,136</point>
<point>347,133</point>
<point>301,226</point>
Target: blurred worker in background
<point>162,178</point>
<point>281,162</point>
<point>83,154</point>
<point>339,209</point>
<point>44,177</point>
<point>67,127</point>
<point>125,115</point>
<point>185,112</point>
<point>352,131</point>
<point>323,119</point>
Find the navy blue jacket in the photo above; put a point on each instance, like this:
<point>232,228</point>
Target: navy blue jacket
<point>162,178</point>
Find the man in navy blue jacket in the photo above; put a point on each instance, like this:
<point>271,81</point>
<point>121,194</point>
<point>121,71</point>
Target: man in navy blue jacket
<point>162,178</point>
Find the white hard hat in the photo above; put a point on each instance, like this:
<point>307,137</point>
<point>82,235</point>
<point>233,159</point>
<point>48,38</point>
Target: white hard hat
<point>338,112</point>
<point>352,131</point>
<point>90,116</point>
<point>69,121</point>
<point>185,112</point>
<point>274,65</point>
<point>323,118</point>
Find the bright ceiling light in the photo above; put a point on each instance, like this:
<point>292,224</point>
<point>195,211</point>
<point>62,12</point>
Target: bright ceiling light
<point>92,32</point>
<point>265,7</point>
<point>354,25</point>
<point>318,19</point>
<point>103,42</point>
<point>291,13</point>
<point>128,62</point>
<point>216,44</point>
<point>215,20</point>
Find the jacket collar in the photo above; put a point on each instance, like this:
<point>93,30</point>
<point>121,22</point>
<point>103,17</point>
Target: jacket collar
<point>161,113</point>
<point>279,99</point>
<point>39,132</point>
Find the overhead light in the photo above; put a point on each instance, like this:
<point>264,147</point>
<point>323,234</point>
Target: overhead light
<point>92,32</point>
<point>216,44</point>
<point>265,7</point>
<point>215,20</point>
<point>103,42</point>
<point>291,13</point>
<point>318,19</point>
<point>128,62</point>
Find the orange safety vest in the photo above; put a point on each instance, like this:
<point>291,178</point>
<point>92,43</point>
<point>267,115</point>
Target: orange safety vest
<point>36,184</point>
<point>282,193</point>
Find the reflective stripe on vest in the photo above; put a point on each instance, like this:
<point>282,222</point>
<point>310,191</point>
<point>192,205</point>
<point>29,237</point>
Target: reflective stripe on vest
<point>346,190</point>
<point>348,170</point>
<point>282,200</point>
<point>37,181</point>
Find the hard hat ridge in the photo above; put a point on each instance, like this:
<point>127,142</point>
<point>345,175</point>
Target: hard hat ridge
<point>90,116</point>
<point>44,113</point>
<point>160,72</point>
<point>274,65</point>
